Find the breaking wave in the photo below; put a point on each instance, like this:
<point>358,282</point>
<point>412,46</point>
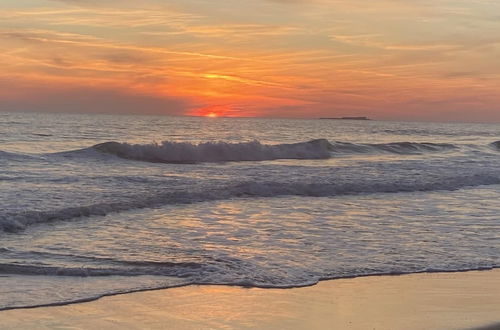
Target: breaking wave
<point>185,152</point>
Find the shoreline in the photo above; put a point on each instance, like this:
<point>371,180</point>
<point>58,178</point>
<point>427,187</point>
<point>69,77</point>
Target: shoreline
<point>95,298</point>
<point>451,300</point>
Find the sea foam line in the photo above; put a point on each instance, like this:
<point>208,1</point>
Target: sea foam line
<point>19,221</point>
<point>245,284</point>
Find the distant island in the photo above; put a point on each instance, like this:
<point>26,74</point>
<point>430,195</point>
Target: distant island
<point>349,118</point>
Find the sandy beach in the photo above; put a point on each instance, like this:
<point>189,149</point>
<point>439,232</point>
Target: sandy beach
<point>468,300</point>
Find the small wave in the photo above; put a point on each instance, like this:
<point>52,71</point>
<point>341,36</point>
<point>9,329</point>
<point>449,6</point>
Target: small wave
<point>84,259</point>
<point>15,222</point>
<point>401,148</point>
<point>42,134</point>
<point>495,145</point>
<point>135,269</point>
<point>19,221</point>
<point>5,155</point>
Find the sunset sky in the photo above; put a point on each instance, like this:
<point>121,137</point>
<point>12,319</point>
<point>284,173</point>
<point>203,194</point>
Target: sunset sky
<point>386,59</point>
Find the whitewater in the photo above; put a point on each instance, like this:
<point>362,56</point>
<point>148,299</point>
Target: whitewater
<point>95,205</point>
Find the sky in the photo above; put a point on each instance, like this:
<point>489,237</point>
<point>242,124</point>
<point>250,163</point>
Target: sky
<point>425,60</point>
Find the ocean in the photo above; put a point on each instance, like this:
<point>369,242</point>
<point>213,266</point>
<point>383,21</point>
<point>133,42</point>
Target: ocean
<point>95,205</point>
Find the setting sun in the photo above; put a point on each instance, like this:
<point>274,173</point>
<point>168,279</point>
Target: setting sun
<point>213,111</point>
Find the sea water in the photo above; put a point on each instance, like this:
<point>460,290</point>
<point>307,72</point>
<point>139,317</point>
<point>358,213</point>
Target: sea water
<point>94,205</point>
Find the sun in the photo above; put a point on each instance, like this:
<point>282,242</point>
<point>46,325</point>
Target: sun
<point>211,111</point>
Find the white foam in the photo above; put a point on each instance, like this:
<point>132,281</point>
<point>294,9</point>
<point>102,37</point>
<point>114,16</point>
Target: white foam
<point>183,152</point>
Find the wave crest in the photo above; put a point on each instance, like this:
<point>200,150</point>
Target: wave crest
<point>18,222</point>
<point>184,152</point>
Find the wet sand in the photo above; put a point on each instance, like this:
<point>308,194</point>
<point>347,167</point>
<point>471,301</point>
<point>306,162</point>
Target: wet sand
<point>418,301</point>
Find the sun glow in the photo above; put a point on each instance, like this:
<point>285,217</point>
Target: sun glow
<point>212,111</point>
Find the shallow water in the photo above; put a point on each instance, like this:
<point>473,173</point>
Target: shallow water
<point>253,202</point>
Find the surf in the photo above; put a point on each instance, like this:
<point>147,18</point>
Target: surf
<point>215,152</point>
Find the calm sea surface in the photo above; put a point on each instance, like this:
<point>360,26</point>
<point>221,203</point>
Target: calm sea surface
<point>94,205</point>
